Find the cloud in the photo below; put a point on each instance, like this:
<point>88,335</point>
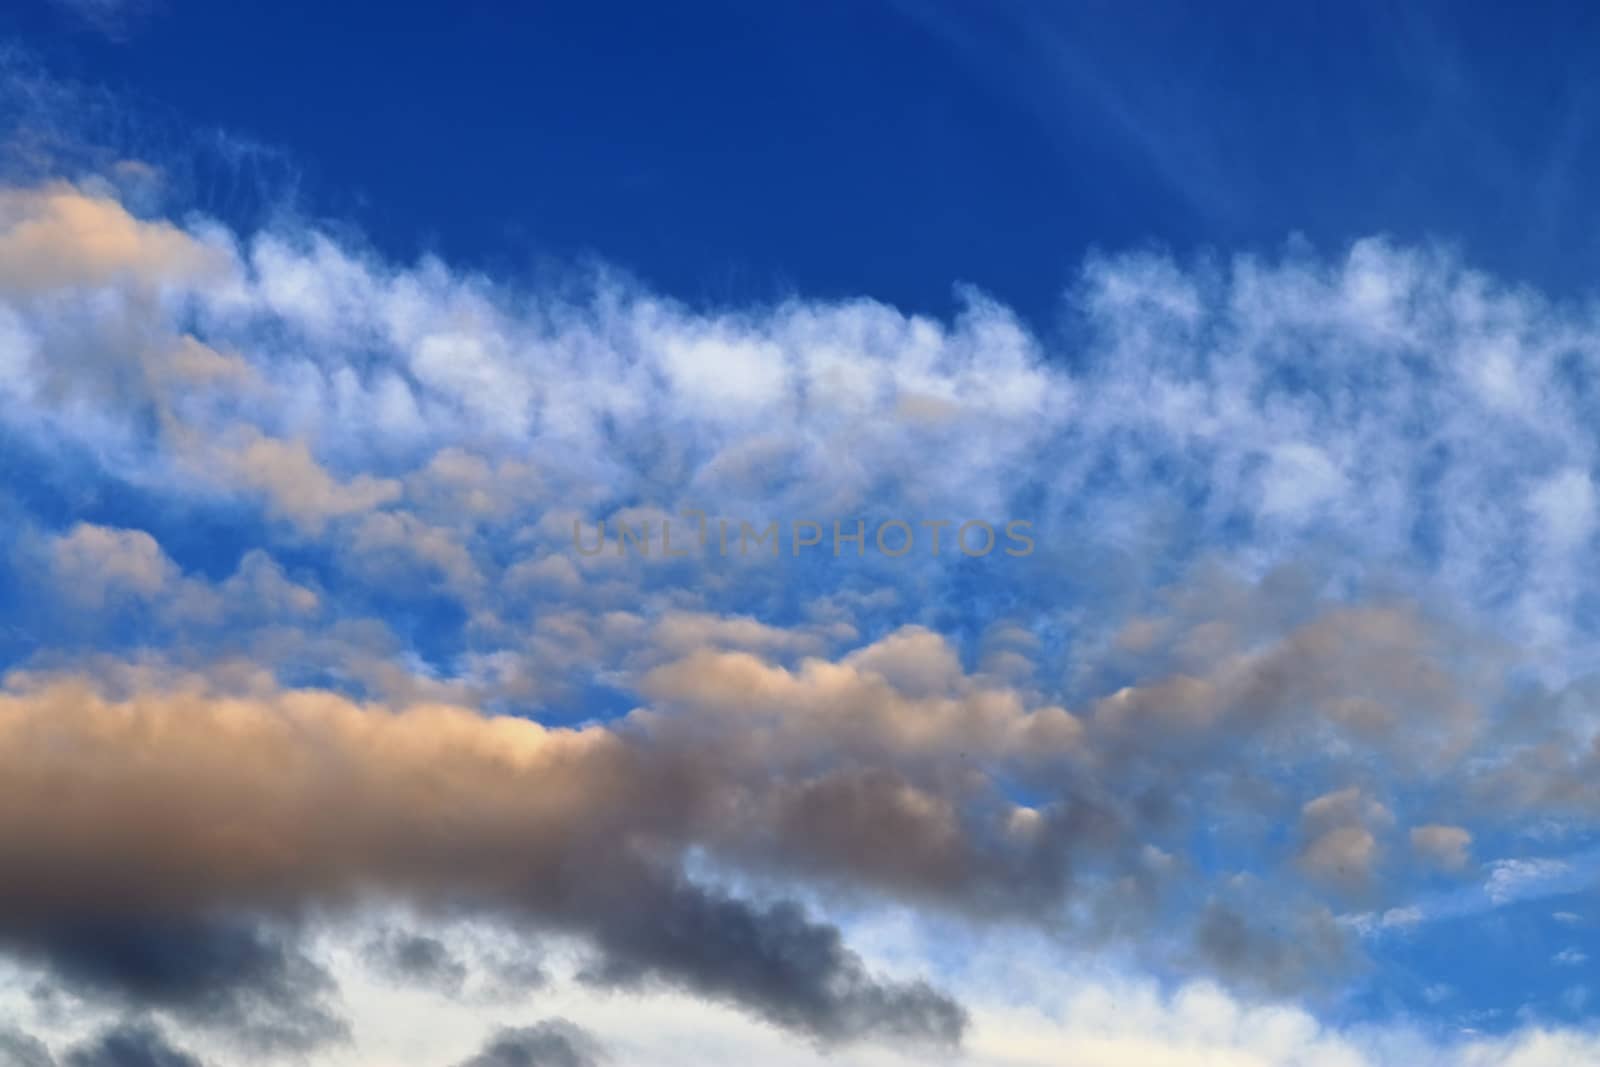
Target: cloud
<point>772,958</point>
<point>1270,947</point>
<point>1032,1005</point>
<point>58,237</point>
<point>418,960</point>
<point>231,976</point>
<point>888,769</point>
<point>130,1045</point>
<point>383,373</point>
<point>93,563</point>
<point>1342,854</point>
<point>1445,847</point>
<point>114,18</point>
<point>885,769</point>
<point>18,1049</point>
<point>1342,848</point>
<point>125,1044</point>
<point>1519,879</point>
<point>552,1043</point>
<point>313,634</point>
<point>201,803</point>
<point>298,488</point>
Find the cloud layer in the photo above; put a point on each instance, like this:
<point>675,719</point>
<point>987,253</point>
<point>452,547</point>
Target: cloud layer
<point>1296,659</point>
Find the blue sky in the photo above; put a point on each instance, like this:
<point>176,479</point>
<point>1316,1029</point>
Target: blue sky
<point>1264,345</point>
<point>731,152</point>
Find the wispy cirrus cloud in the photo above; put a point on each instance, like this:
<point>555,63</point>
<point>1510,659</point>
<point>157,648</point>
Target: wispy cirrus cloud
<point>116,19</point>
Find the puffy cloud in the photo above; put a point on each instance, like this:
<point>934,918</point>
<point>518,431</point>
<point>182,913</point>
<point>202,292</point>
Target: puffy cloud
<point>93,563</point>
<point>1446,847</point>
<point>624,391</point>
<point>1341,854</point>
<point>823,703</point>
<point>552,1043</point>
<point>400,545</point>
<point>774,959</point>
<point>93,582</point>
<point>130,1045</point>
<point>418,959</point>
<point>232,976</point>
<point>888,768</point>
<point>1342,848</point>
<point>1031,1006</point>
<point>58,237</point>
<point>18,1049</point>
<point>299,488</point>
<point>200,802</point>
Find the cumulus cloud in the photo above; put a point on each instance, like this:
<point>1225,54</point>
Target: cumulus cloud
<point>58,237</point>
<point>1342,846</point>
<point>232,976</point>
<point>298,488</point>
<point>130,1045</point>
<point>1446,847</point>
<point>205,802</point>
<point>886,769</point>
<point>94,562</point>
<point>552,1043</point>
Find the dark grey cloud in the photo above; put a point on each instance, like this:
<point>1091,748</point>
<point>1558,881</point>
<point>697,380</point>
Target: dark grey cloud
<point>771,958</point>
<point>416,959</point>
<point>514,970</point>
<point>130,1044</point>
<point>18,1049</point>
<point>551,1043</point>
<point>237,976</point>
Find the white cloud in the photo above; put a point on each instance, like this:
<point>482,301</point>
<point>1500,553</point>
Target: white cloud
<point>1519,879</point>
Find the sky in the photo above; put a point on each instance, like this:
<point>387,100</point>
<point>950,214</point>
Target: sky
<point>857,534</point>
